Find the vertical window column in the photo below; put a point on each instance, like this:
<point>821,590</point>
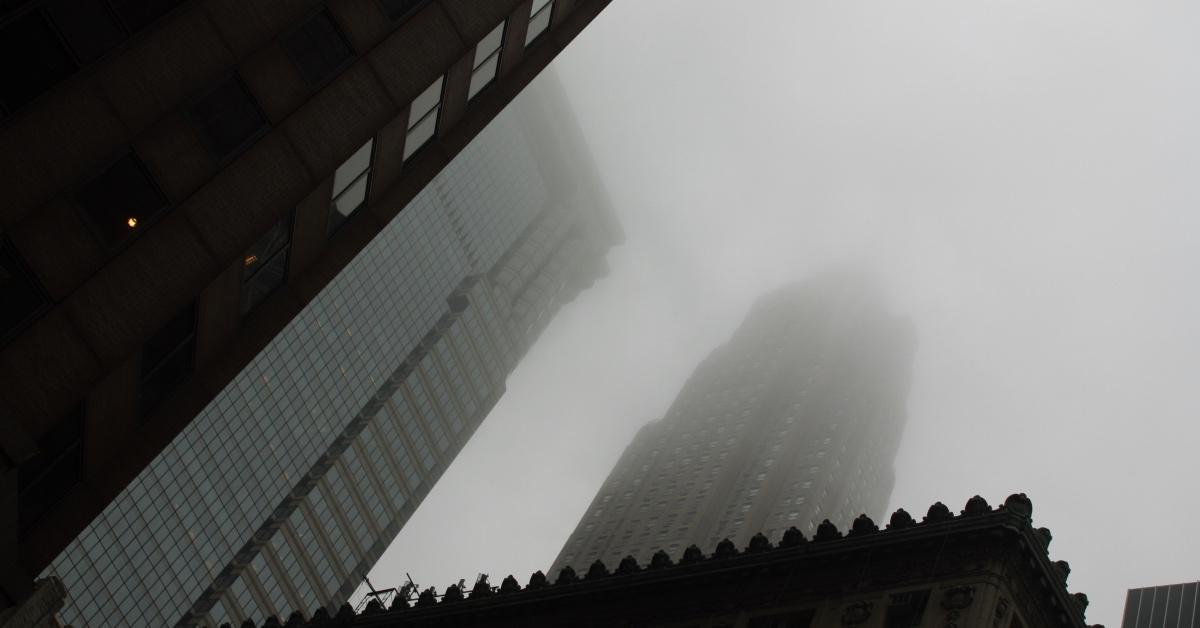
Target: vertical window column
<point>264,267</point>
<point>350,185</point>
<point>487,60</point>
<point>539,19</point>
<point>23,298</point>
<point>167,359</point>
<point>422,118</point>
<point>53,471</point>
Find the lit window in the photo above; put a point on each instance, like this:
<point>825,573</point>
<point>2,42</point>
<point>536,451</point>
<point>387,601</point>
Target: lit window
<point>318,48</point>
<point>422,118</point>
<point>487,60</point>
<point>350,185</point>
<point>264,267</point>
<point>121,201</point>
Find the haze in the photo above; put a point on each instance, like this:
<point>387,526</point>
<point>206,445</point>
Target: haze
<point>1023,176</point>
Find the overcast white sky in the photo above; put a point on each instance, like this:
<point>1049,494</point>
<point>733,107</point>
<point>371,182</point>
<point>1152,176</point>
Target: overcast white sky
<point>1023,174</point>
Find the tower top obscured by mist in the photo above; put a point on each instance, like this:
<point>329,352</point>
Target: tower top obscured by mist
<point>794,420</point>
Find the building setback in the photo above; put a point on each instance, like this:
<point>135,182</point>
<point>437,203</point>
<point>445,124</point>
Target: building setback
<point>1170,606</point>
<point>284,491</point>
<point>795,419</point>
<point>985,568</point>
<point>181,178</point>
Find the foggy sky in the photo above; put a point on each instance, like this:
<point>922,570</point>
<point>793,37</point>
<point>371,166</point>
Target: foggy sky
<point>1023,176</point>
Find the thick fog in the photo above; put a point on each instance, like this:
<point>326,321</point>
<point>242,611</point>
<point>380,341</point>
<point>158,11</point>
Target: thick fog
<point>1023,175</point>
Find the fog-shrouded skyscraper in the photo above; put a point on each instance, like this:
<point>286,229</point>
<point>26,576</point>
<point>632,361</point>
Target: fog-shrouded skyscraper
<point>795,419</point>
<point>285,490</point>
<point>1167,606</point>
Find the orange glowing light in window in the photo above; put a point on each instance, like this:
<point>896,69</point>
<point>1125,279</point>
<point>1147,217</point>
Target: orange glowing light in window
<point>131,221</point>
<point>250,259</point>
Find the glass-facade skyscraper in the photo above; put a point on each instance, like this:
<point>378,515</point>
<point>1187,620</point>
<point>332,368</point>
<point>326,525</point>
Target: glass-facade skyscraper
<point>283,492</point>
<point>795,419</point>
<point>1167,606</point>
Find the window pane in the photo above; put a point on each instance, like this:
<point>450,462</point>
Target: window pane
<point>260,286</point>
<point>48,475</point>
<point>33,59</point>
<point>352,198</point>
<point>490,43</point>
<point>88,27</point>
<point>268,245</point>
<point>138,14</point>
<point>121,200</point>
<point>23,299</point>
<point>419,134</point>
<point>538,21</point>
<point>265,264</point>
<point>318,48</point>
<point>484,75</point>
<point>396,9</point>
<point>167,358</point>
<point>228,116</point>
<point>349,171</point>
<point>423,104</point>
<point>164,342</point>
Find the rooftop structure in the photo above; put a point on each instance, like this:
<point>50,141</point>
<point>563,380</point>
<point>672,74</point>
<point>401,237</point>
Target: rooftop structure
<point>984,568</point>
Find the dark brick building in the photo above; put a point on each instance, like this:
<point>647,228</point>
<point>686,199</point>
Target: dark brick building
<point>180,178</point>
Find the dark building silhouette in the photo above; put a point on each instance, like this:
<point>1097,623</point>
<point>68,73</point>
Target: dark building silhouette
<point>181,178</point>
<point>795,419</point>
<point>1169,606</point>
<point>985,568</point>
<point>284,491</point>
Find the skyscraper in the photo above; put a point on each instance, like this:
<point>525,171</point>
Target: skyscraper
<point>180,179</point>
<point>795,419</point>
<point>1168,606</point>
<point>288,486</point>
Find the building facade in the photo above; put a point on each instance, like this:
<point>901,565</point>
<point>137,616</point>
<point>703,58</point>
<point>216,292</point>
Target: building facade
<point>181,179</point>
<point>286,488</point>
<point>1170,606</point>
<point>984,568</point>
<point>795,419</point>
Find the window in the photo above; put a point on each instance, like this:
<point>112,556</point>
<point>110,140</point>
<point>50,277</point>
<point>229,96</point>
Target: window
<point>398,9</point>
<point>487,60</point>
<point>167,359</point>
<point>318,48</point>
<point>23,298</point>
<point>350,185</point>
<point>539,19</point>
<point>905,609</point>
<point>53,471</point>
<point>422,118</point>
<point>801,619</point>
<point>89,29</point>
<point>228,117</point>
<point>138,14</point>
<point>33,58</point>
<point>265,265</point>
<point>121,201</point>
